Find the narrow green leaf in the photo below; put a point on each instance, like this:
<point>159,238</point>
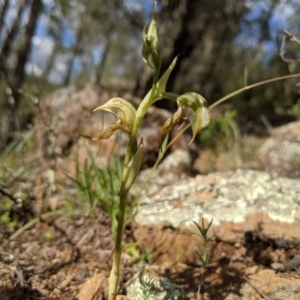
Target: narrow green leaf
<point>162,82</point>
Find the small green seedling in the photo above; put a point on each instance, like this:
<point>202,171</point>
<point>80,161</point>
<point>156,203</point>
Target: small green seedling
<point>6,210</point>
<point>137,254</point>
<point>204,258</point>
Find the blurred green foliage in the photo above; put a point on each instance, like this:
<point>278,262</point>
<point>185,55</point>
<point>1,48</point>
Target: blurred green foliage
<point>220,129</point>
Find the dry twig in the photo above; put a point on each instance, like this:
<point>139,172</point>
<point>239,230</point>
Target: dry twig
<point>256,289</point>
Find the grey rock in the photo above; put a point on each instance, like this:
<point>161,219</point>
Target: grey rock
<point>227,196</point>
<point>148,284</point>
<point>66,110</point>
<point>280,154</point>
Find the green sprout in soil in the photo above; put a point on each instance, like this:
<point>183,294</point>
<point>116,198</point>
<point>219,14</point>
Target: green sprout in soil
<point>204,258</point>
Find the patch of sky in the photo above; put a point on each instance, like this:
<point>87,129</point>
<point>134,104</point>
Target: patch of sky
<point>262,26</point>
<point>134,5</point>
<point>58,72</point>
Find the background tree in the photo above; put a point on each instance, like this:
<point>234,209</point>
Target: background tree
<point>56,25</point>
<point>14,74</point>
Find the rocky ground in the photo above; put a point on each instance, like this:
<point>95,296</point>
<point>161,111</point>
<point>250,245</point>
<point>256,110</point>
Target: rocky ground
<point>255,236</point>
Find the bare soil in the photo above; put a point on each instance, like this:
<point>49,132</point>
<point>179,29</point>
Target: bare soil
<point>54,257</point>
<point>36,267</point>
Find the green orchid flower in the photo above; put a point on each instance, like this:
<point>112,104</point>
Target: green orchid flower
<point>125,113</point>
<point>192,106</point>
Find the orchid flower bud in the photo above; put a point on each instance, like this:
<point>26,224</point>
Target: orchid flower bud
<point>151,48</point>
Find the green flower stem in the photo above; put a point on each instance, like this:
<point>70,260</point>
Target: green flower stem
<point>248,87</point>
<point>141,111</point>
<point>115,271</point>
<point>170,96</point>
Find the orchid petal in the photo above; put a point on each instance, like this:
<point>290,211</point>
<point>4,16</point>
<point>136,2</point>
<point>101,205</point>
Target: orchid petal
<point>174,121</point>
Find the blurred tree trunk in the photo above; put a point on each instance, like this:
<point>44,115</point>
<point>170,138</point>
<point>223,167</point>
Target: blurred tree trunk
<point>75,51</point>
<point>8,41</point>
<point>16,77</point>
<point>4,10</point>
<point>101,66</point>
<point>24,50</point>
